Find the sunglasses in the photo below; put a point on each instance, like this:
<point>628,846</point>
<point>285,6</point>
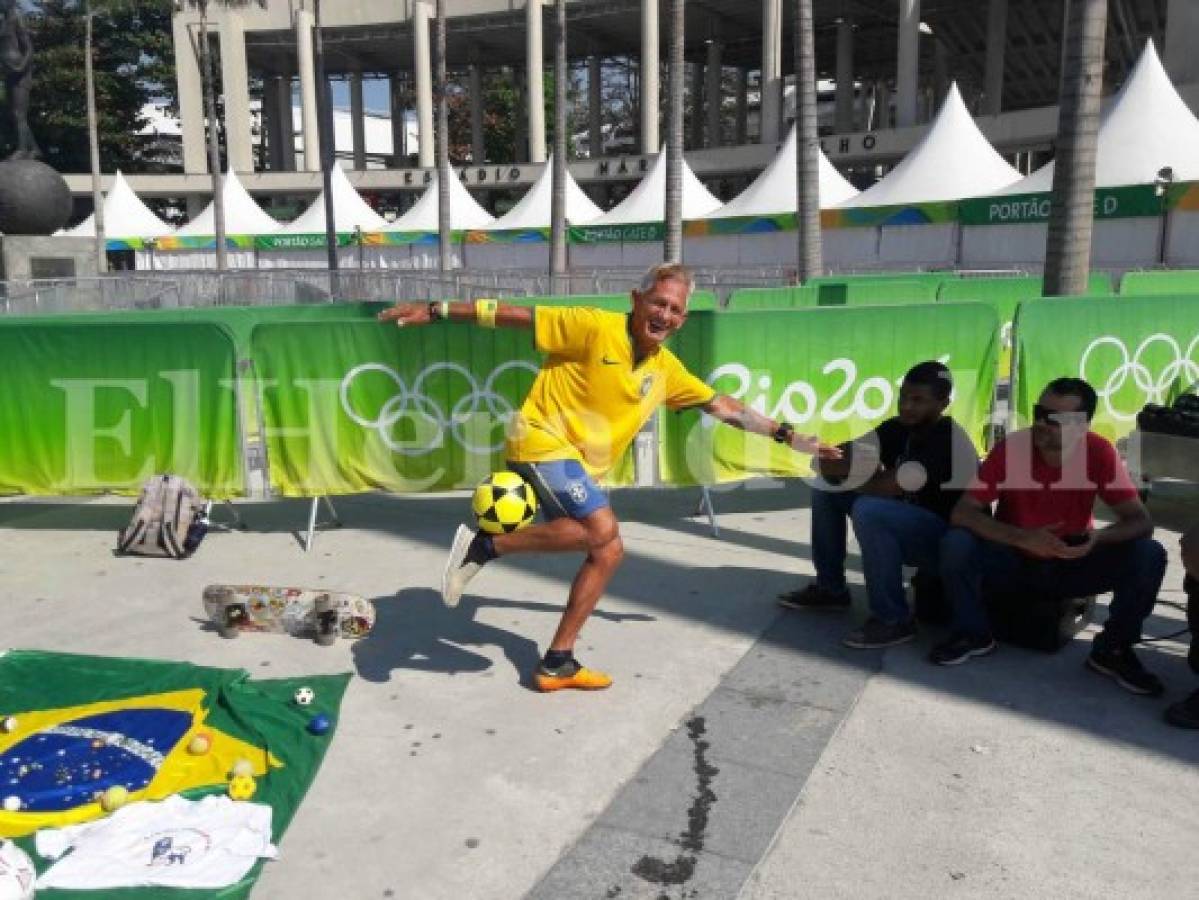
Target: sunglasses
<point>1057,419</point>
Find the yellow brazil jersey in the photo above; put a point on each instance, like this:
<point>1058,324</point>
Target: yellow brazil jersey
<point>590,400</point>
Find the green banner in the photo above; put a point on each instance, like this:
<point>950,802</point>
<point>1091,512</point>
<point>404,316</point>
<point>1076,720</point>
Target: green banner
<point>633,232</point>
<point>1110,203</point>
<point>351,407</point>
<point>301,241</point>
<point>1133,351</point>
<point>63,701</point>
<point>90,408</point>
<point>832,372</point>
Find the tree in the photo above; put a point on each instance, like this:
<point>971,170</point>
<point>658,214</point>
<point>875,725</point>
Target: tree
<point>558,176</point>
<point>1072,210</point>
<point>672,249</point>
<point>131,42</point>
<point>807,144</point>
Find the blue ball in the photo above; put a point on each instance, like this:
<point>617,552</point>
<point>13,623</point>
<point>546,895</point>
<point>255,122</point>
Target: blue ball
<point>320,724</point>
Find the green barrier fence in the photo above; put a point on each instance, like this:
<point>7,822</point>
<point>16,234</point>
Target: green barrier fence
<point>793,297</point>
<point>875,292</point>
<point>700,300</point>
<point>92,407</point>
<point>833,372</point>
<point>1005,295</point>
<point>1174,281</point>
<point>362,406</point>
<point>1140,350</point>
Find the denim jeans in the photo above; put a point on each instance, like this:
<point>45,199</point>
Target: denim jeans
<point>891,533</point>
<point>1132,571</point>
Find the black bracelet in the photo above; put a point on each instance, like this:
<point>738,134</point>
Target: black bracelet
<point>783,433</point>
<point>434,311</point>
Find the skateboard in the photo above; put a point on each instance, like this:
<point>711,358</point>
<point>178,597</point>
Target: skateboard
<point>301,612</point>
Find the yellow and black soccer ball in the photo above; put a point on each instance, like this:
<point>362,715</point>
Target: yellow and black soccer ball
<point>504,502</point>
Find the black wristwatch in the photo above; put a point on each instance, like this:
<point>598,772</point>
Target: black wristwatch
<point>783,433</point>
<point>434,311</point>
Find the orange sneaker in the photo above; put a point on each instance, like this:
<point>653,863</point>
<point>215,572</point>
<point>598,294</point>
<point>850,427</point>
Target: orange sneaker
<point>581,679</point>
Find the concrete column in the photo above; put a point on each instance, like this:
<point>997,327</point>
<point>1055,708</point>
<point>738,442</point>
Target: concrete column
<point>651,102</point>
<point>424,83</point>
<point>908,69</point>
<point>358,121</point>
<point>397,96</point>
<point>713,91</point>
<point>535,64</point>
<point>772,71</point>
<point>191,96</point>
<point>235,82</point>
<point>595,112</point>
<point>1182,36</point>
<point>478,153</point>
<point>843,115</point>
<point>696,139</point>
<point>741,135</point>
<point>996,46</point>
<point>309,126</point>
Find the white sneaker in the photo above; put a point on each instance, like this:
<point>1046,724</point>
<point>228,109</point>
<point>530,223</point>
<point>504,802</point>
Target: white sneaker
<point>458,571</point>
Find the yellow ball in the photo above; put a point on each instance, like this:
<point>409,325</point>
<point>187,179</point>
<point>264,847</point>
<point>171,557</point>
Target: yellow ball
<point>242,787</point>
<point>200,744</point>
<point>503,502</point>
<point>114,798</point>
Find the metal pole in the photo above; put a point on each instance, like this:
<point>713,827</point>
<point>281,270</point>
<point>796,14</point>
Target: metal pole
<point>558,175</point>
<point>441,136</point>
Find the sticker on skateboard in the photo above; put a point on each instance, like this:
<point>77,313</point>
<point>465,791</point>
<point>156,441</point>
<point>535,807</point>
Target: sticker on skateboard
<point>302,612</point>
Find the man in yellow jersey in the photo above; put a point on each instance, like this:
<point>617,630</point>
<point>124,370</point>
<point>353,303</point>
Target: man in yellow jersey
<point>604,375</point>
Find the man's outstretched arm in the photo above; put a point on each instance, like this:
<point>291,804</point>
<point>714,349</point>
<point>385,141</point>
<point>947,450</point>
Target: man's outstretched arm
<point>733,412</point>
<point>488,313</point>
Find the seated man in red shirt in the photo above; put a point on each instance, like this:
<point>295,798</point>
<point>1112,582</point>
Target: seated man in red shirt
<point>1185,713</point>
<point>1042,537</point>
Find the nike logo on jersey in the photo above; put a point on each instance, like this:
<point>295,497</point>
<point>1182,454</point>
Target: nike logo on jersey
<point>609,362</point>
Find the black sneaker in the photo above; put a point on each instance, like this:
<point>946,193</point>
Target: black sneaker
<point>960,647</point>
<point>1122,665</point>
<point>877,633</point>
<point>1184,713</point>
<point>814,597</point>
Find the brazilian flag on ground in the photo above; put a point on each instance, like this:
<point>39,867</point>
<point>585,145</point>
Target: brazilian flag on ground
<point>74,726</point>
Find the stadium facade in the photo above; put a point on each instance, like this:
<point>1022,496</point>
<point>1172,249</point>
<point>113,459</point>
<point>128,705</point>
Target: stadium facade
<point>886,64</point>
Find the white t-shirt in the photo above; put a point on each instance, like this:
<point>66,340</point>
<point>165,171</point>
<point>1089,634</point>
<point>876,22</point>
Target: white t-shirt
<point>208,843</point>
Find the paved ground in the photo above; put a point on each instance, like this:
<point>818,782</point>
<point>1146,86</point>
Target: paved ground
<point>741,750</point>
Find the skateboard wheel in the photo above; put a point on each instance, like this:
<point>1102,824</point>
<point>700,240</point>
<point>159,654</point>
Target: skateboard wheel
<point>326,621</point>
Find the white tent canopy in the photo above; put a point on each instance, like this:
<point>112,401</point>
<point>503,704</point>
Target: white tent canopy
<point>533,210</point>
<point>1146,127</point>
<point>952,161</point>
<point>774,191</point>
<point>647,202</point>
<point>242,214</point>
<point>125,216</point>
<point>465,212</point>
<point>350,212</point>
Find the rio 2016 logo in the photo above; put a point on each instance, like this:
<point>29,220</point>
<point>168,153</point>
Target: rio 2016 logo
<point>799,402</point>
<point>1158,363</point>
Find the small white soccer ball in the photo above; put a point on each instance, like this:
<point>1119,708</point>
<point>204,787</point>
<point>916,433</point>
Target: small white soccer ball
<point>304,696</point>
<point>12,804</point>
<point>17,874</point>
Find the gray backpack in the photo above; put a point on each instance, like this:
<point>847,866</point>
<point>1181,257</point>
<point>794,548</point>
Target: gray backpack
<point>169,520</point>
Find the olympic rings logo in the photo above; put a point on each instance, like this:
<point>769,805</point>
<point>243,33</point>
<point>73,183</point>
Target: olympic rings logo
<point>1154,388</point>
<point>414,402</point>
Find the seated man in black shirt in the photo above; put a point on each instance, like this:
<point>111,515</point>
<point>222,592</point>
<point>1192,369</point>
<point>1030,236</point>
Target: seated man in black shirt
<point>1185,713</point>
<point>910,472</point>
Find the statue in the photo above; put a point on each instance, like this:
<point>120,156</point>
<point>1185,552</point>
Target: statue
<point>16,61</point>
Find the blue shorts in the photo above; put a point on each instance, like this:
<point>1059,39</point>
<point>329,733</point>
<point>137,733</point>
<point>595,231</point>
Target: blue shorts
<point>563,488</point>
